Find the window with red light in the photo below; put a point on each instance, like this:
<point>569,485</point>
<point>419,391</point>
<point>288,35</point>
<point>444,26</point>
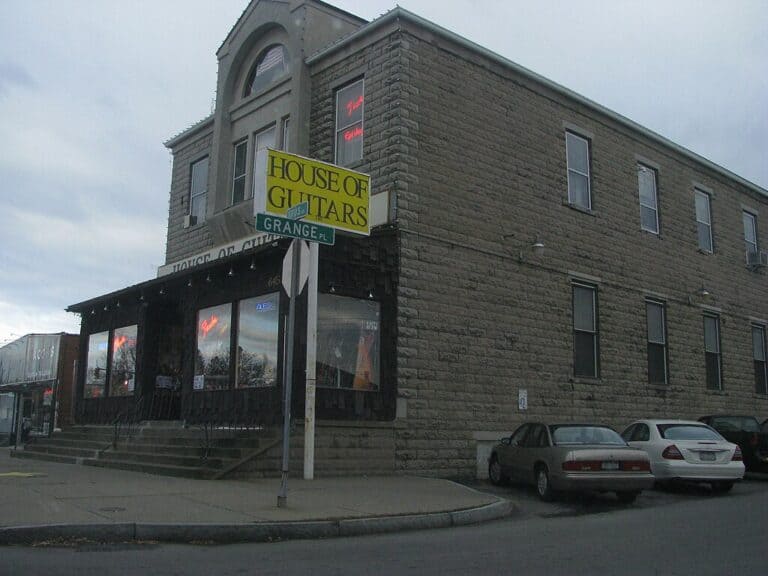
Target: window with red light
<point>214,326</point>
<point>122,372</point>
<point>350,103</point>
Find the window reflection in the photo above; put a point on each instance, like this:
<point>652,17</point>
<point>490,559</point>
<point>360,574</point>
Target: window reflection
<point>257,341</point>
<point>212,358</point>
<point>123,369</point>
<point>96,371</point>
<point>347,343</point>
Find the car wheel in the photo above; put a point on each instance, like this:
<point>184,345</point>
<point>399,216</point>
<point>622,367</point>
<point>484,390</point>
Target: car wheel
<point>495,473</point>
<point>543,487</point>
<point>721,487</point>
<point>627,497</point>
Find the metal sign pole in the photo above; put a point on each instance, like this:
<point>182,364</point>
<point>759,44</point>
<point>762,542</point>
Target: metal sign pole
<point>282,496</point>
<point>309,397</point>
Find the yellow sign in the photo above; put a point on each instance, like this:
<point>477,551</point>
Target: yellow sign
<point>336,197</point>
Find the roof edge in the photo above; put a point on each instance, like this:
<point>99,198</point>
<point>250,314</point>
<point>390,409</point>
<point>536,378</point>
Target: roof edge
<point>398,12</point>
<point>196,127</point>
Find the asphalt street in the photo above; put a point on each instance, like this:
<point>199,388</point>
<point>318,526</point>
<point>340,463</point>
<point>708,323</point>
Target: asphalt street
<point>685,531</point>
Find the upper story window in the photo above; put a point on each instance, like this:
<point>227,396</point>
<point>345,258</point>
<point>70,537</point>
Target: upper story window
<point>649,206</point>
<point>349,123</point>
<point>198,190</point>
<point>750,235</point>
<point>579,187</point>
<point>238,171</point>
<point>270,65</point>
<point>585,332</point>
<point>704,221</point>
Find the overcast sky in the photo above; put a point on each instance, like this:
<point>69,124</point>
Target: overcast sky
<point>90,90</point>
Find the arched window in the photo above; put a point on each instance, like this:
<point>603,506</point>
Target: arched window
<point>270,65</point>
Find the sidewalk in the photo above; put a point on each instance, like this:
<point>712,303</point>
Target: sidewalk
<point>44,501</point>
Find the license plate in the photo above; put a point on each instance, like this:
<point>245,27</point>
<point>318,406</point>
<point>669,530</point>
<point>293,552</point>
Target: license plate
<point>610,466</point>
<point>707,456</point>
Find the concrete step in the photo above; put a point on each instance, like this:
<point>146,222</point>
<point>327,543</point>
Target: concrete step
<point>161,459</point>
<point>178,450</point>
<point>159,469</point>
<point>61,450</point>
<point>45,456</point>
<point>69,443</point>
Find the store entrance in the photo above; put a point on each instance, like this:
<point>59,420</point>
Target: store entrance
<point>162,396</point>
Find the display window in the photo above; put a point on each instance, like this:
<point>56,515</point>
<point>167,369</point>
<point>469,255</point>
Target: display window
<point>214,326</point>
<point>348,343</point>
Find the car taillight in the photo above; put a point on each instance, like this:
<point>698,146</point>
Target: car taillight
<point>671,452</point>
<point>737,455</point>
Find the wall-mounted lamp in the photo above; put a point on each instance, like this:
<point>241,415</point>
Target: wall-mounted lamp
<point>231,272</point>
<point>189,283</point>
<point>332,289</point>
<point>253,265</point>
<point>162,290</point>
<point>208,278</point>
<point>370,294</point>
<point>536,247</point>
<point>702,295</point>
<point>118,304</point>
<point>141,297</point>
<point>106,307</point>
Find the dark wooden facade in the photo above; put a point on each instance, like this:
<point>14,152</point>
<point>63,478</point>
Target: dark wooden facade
<point>165,312</point>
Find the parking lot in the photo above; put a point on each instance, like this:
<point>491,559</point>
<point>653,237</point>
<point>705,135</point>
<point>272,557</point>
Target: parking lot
<point>583,504</point>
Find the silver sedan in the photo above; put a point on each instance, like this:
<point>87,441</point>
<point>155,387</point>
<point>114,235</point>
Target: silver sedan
<point>555,457</point>
<point>687,450</point>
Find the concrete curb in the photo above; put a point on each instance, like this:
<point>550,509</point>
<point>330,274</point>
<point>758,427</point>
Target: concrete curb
<point>256,532</point>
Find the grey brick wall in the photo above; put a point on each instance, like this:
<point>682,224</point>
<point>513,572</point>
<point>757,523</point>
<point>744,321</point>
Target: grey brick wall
<point>182,241</point>
<point>486,174</point>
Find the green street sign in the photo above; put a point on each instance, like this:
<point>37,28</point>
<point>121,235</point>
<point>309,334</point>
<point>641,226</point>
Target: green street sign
<point>298,211</point>
<point>295,229</point>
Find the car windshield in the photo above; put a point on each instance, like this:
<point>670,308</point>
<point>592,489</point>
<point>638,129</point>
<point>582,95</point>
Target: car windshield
<point>736,423</point>
<point>574,434</point>
<point>687,432</point>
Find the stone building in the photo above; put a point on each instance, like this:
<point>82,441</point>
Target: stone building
<point>534,255</point>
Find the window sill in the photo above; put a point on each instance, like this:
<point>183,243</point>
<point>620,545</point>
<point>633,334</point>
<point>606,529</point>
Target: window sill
<point>716,392</point>
<point>585,380</point>
<point>705,252</point>
<point>587,211</point>
<point>651,233</point>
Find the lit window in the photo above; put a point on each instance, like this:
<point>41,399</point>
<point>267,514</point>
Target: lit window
<point>198,189</point>
<point>96,370</point>
<point>347,343</point>
<point>712,352</point>
<point>122,370</point>
<point>261,141</point>
<point>585,333</point>
<point>271,64</point>
<point>704,221</point>
<point>349,123</point>
<point>657,342</point>
<point>649,213</point>
<point>759,355</point>
<point>257,341</point>
<point>213,344</point>
<point>238,172</point>
<point>750,235</point>
<point>577,152</point>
